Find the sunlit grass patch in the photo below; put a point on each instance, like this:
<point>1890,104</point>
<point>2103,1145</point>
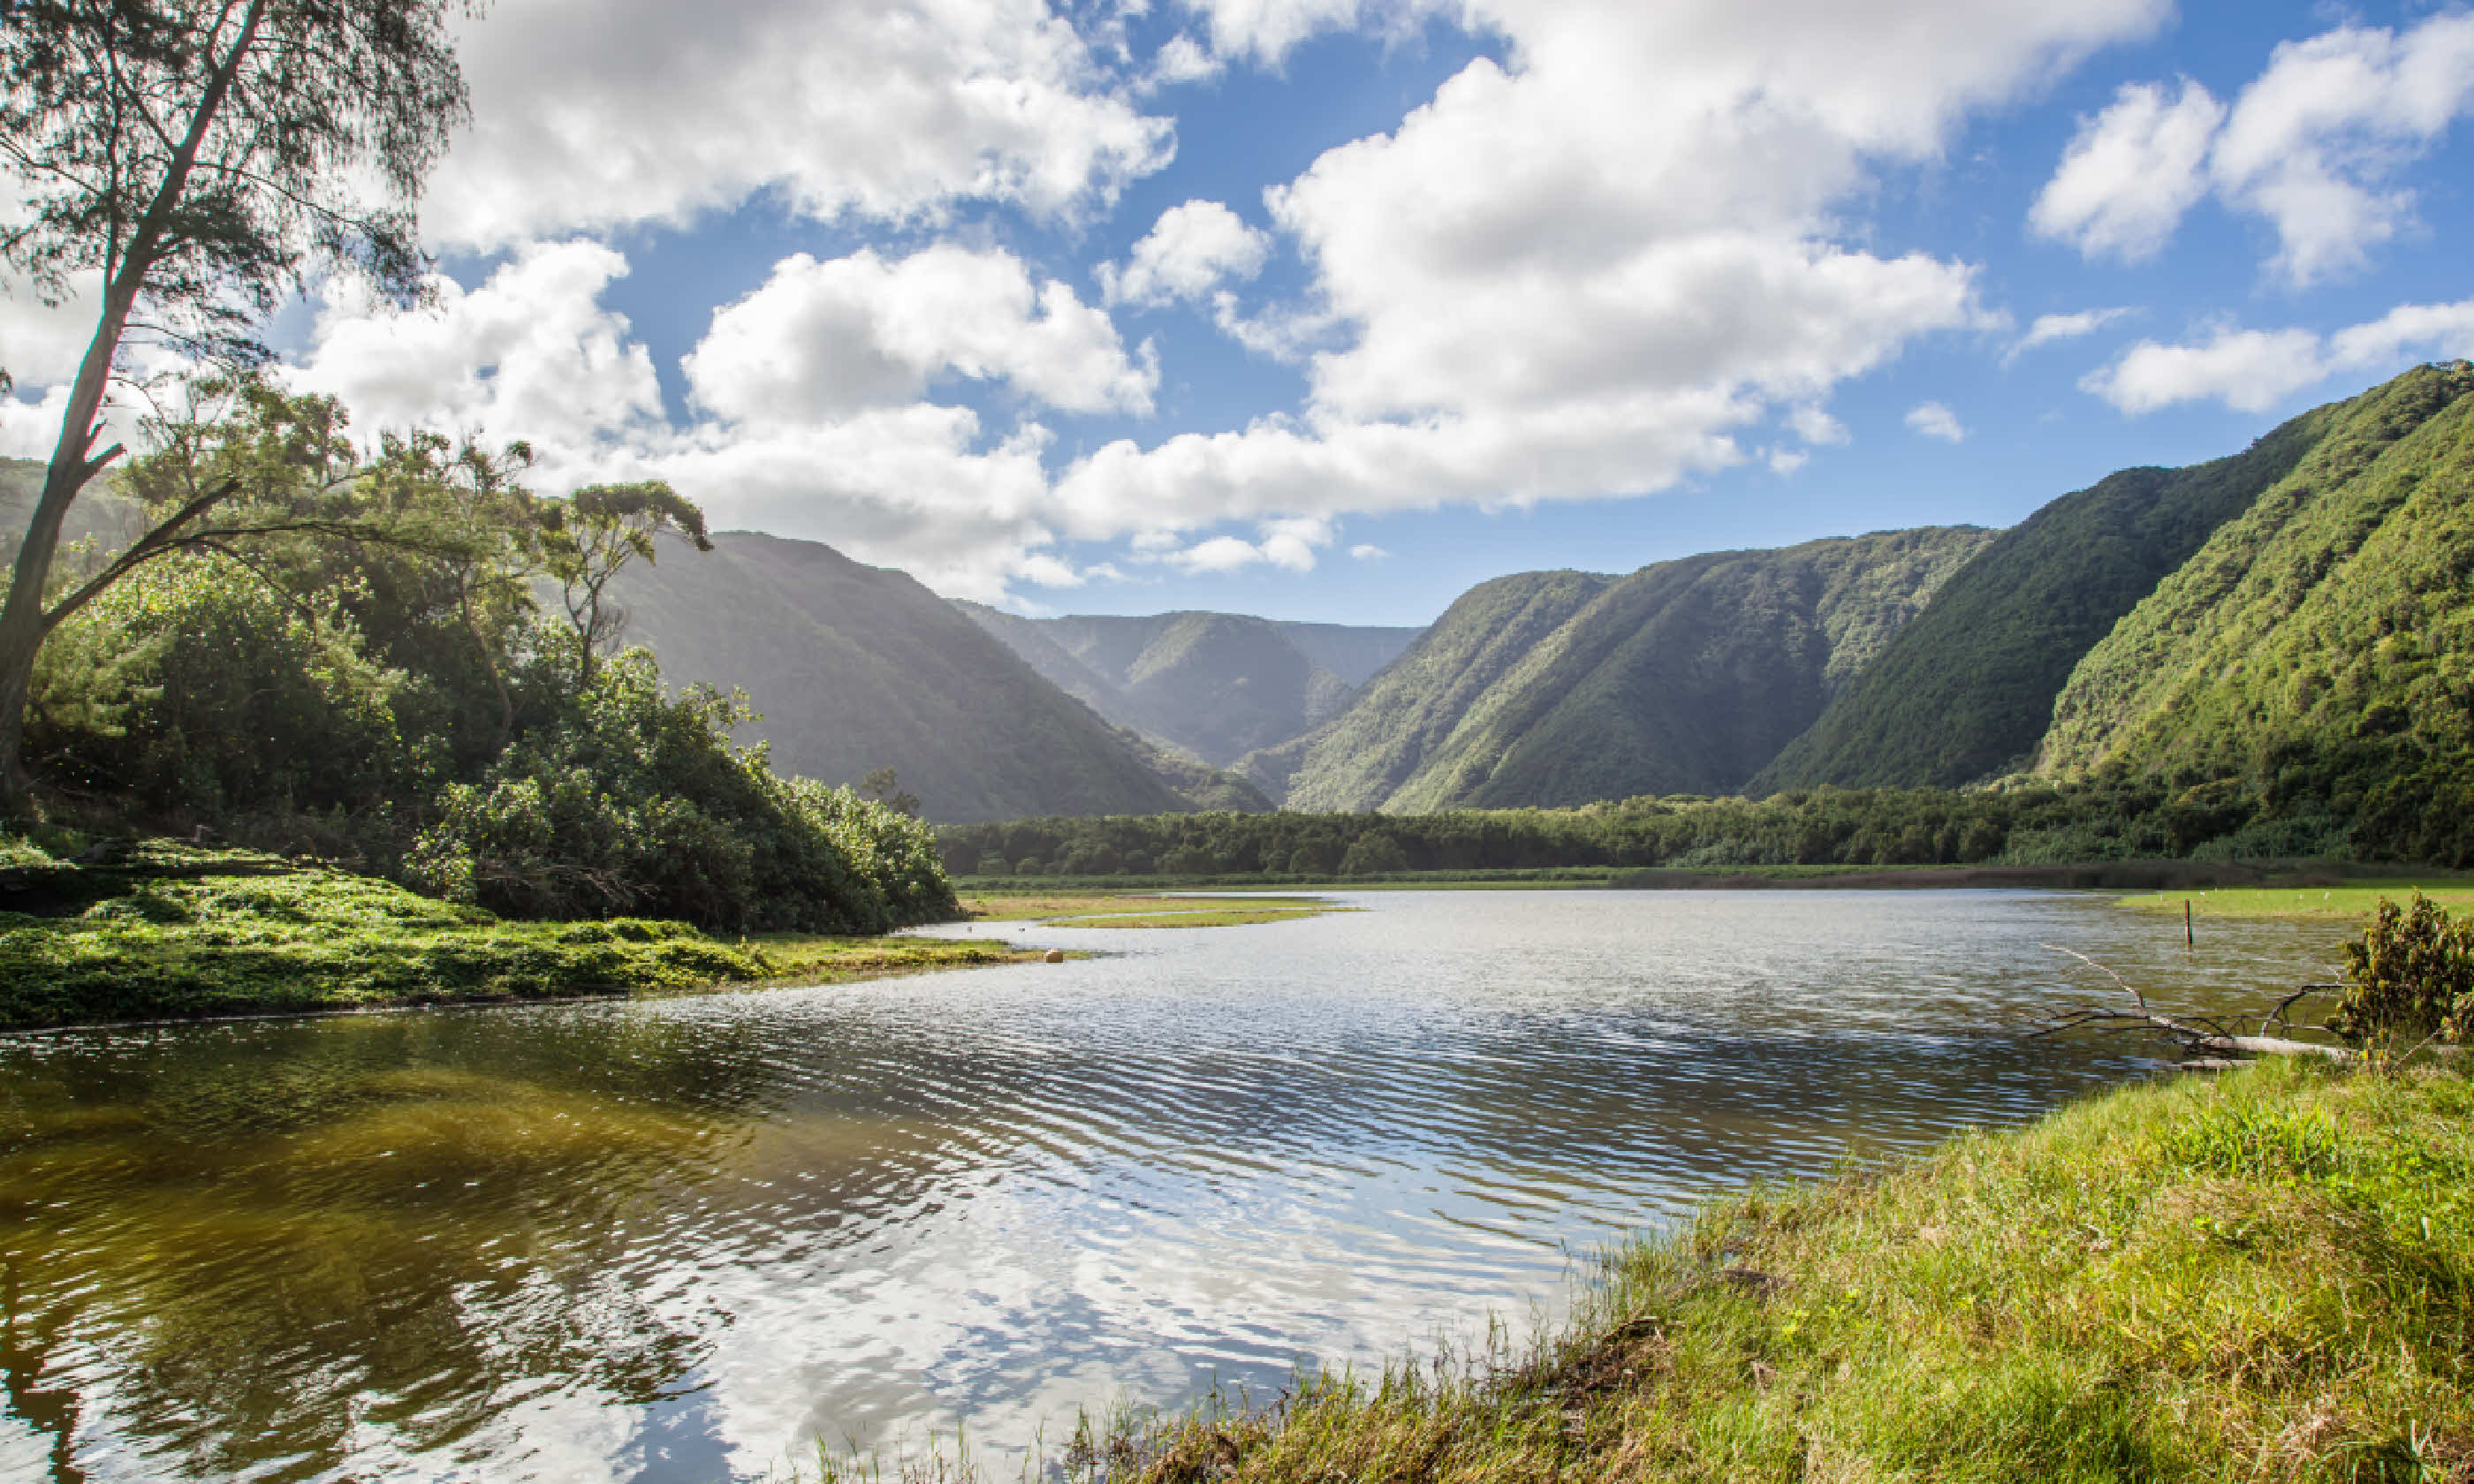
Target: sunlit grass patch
<point>2348,903</point>
<point>168,933</point>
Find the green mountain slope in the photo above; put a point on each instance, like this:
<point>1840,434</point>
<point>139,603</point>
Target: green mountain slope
<point>1564,687</point>
<point>858,668</point>
<point>2320,647</point>
<point>1364,755</point>
<point>1967,689</point>
<point>1215,685</point>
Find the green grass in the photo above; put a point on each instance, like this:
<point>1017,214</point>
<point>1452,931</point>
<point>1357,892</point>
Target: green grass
<point>172,932</point>
<point>2265,1276</point>
<point>2349,902</point>
<point>1234,916</point>
<point>1069,908</point>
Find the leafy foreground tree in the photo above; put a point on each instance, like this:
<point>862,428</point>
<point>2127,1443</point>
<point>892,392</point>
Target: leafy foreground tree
<point>368,676</point>
<point>198,160</point>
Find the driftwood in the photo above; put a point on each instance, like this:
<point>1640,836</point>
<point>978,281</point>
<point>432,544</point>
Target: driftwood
<point>2212,1040</point>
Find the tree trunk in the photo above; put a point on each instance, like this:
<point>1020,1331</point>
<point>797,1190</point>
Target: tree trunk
<point>22,625</point>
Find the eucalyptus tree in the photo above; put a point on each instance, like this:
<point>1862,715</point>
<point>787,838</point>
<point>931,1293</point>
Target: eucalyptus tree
<point>197,161</point>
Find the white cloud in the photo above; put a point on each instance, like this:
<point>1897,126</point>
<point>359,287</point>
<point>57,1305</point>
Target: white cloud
<point>1582,271</point>
<point>591,113</point>
<point>41,343</point>
<point>1366,551</point>
<point>1189,252</point>
<point>1934,420</point>
<point>1290,544</point>
<point>1783,462</point>
<point>2254,371</point>
<point>2131,172</point>
<point>2051,327</point>
<point>1816,426</point>
<point>2313,146</point>
<point>821,339</point>
<point>30,427</point>
<point>531,353</point>
<point>1181,60</point>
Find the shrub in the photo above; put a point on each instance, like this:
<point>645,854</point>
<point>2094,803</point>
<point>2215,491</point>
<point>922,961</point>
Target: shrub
<point>635,804</point>
<point>2410,976</point>
<point>194,685</point>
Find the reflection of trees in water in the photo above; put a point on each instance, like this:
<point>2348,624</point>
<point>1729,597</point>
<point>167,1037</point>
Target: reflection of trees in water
<point>254,1239</point>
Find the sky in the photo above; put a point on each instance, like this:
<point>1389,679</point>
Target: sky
<point>1328,309</point>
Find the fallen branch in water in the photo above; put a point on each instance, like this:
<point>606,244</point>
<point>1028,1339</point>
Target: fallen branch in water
<point>2196,1034</point>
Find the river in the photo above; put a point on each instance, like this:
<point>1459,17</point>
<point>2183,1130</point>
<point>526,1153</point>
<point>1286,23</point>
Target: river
<point>682,1240</point>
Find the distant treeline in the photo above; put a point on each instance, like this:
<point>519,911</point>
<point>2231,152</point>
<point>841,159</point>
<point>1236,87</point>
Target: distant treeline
<point>2025,824</point>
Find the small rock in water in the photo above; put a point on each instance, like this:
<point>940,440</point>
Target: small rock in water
<point>1053,956</point>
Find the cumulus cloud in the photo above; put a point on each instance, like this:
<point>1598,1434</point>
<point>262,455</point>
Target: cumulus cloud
<point>1189,252</point>
<point>1366,551</point>
<point>1582,271</point>
<point>1290,544</point>
<point>531,353</point>
<point>823,338</point>
<point>592,113</point>
<point>2131,172</point>
<point>2051,327</point>
<point>1181,58</point>
<point>2311,145</point>
<point>2254,371</point>
<point>1934,420</point>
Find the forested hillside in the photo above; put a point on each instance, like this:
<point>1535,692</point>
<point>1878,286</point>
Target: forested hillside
<point>1217,685</point>
<point>857,668</point>
<point>1682,677</point>
<point>2319,650</point>
<point>1968,689</point>
<point>1366,753</point>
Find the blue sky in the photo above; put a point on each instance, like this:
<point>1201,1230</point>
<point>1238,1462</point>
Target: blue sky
<point>1327,309</point>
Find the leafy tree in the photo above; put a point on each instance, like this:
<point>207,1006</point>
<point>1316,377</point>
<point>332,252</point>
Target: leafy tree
<point>883,786</point>
<point>201,159</point>
<point>590,539</point>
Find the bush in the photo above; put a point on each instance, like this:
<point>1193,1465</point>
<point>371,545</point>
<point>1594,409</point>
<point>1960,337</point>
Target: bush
<point>2410,976</point>
<point>195,686</point>
<point>634,803</point>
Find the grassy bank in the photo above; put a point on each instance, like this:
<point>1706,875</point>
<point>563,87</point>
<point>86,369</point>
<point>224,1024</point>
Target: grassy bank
<point>2351,902</point>
<point>2264,1276</point>
<point>1110,909</point>
<point>168,932</point>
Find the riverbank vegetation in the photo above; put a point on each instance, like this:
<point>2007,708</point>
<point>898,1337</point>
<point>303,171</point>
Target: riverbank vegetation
<point>2027,823</point>
<point>167,931</point>
<point>372,681</point>
<point>2267,1275</point>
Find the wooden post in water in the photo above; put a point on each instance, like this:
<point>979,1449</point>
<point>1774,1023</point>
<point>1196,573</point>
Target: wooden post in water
<point>2188,941</point>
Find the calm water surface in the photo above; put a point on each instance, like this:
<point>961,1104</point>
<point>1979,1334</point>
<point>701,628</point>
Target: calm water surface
<point>681,1239</point>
